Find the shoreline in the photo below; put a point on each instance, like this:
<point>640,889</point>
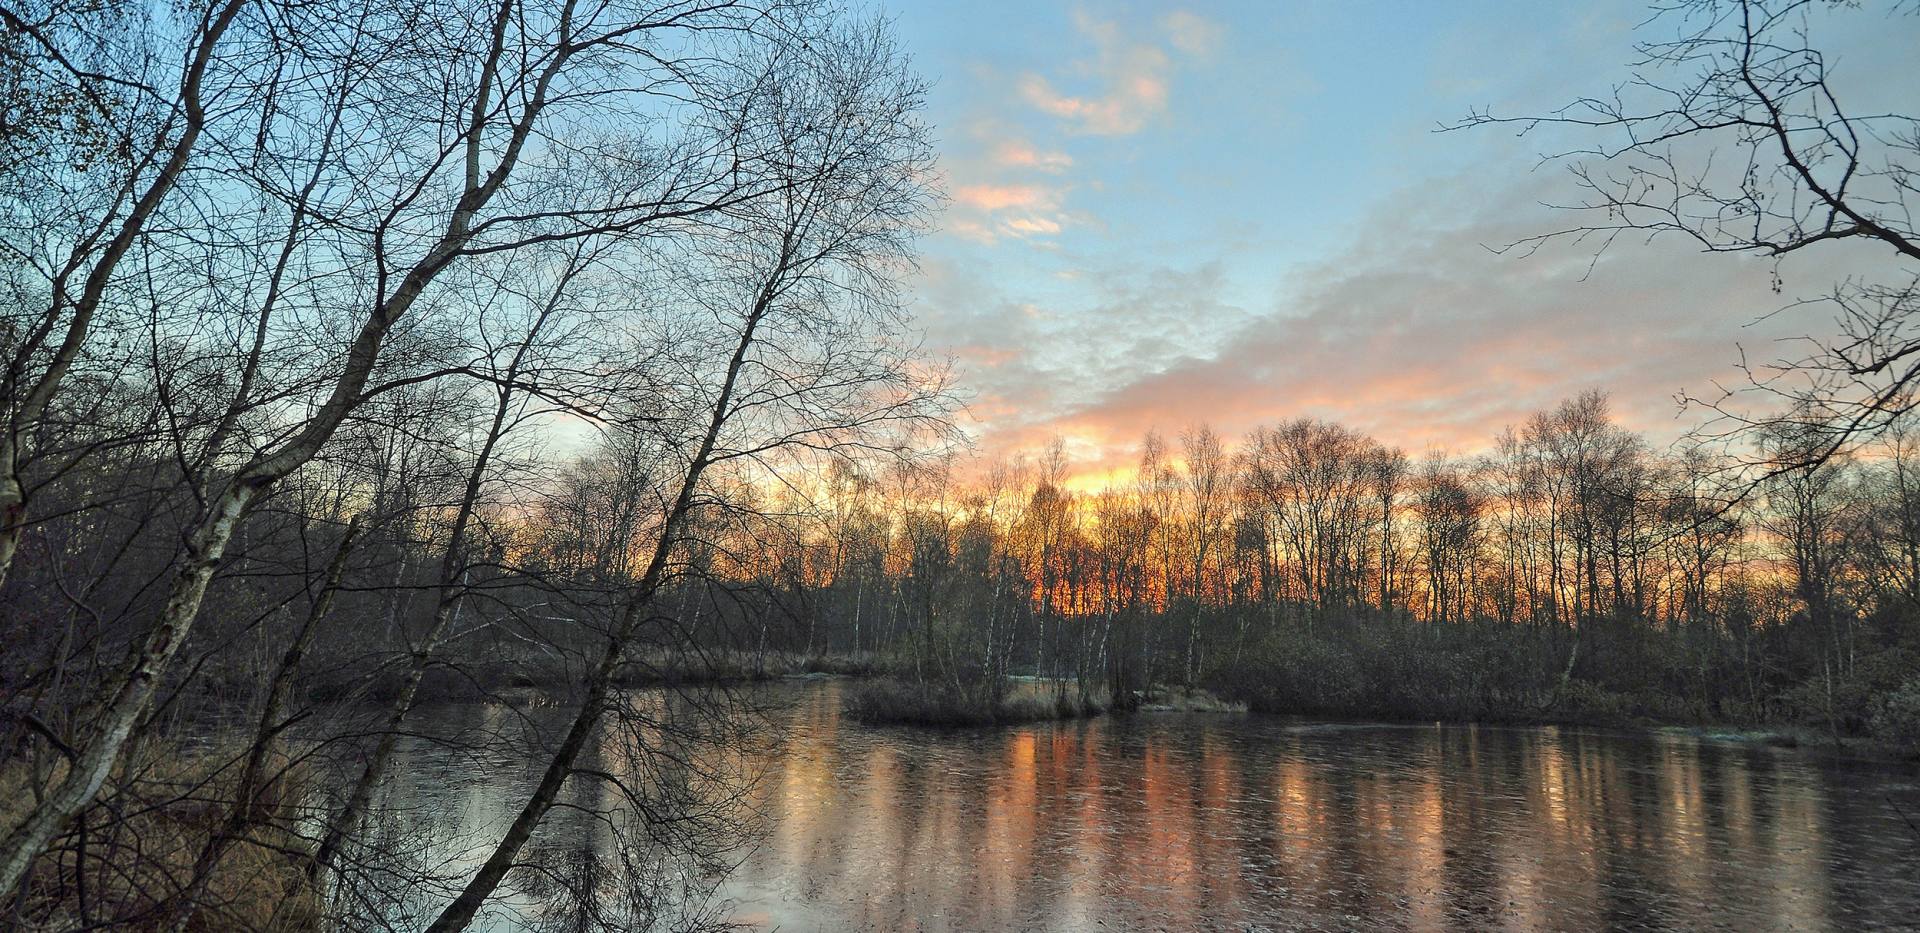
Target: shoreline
<point>1026,701</point>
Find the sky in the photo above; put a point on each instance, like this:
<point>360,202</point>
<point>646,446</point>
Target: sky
<point>1240,213</point>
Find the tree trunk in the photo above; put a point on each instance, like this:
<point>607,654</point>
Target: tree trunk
<point>21,422</point>
<point>245,812</point>
<point>505,854</point>
<point>137,685</point>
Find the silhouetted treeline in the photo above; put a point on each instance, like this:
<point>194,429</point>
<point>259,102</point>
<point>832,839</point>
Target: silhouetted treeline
<point>1572,571</point>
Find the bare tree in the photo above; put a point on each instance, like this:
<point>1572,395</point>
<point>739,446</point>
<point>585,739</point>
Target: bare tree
<point>1735,134</point>
<point>246,810</point>
<point>802,306</point>
<point>1209,478</point>
<point>149,153</point>
<point>431,182</point>
<point>537,312</point>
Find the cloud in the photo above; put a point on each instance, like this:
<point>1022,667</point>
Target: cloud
<point>1031,226</point>
<point>1032,363</point>
<point>1125,84</point>
<point>1123,110</point>
<point>971,230</point>
<point>1015,153</point>
<point>1008,187</point>
<point>984,213</point>
<point>1192,33</point>
<point>990,198</point>
<point>1415,333</point>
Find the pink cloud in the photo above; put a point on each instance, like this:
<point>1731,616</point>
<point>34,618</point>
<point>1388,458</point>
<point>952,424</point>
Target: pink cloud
<point>991,198</point>
<point>1016,153</point>
<point>1424,339</point>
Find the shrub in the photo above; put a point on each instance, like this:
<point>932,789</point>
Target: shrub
<point>890,700</point>
<point>1898,720</point>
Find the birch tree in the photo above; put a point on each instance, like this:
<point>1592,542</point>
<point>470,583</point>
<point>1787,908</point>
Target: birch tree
<point>574,120</point>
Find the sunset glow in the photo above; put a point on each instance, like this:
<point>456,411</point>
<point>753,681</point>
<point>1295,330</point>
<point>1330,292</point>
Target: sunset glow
<point>1071,465</point>
<point>1240,213</point>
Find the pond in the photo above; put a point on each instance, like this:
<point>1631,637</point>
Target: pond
<point>1183,821</point>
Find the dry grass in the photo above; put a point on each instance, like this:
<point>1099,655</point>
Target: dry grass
<point>889,700</point>
<point>156,814</point>
<point>1180,700</point>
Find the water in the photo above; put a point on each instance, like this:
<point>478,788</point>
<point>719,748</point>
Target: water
<point>1218,821</point>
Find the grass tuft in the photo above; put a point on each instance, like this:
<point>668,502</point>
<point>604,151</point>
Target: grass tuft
<point>892,700</point>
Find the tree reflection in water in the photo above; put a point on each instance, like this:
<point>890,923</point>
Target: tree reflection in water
<point>1194,821</point>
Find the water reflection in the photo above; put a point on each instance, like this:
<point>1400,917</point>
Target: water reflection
<point>1183,822</point>
<point>1173,821</point>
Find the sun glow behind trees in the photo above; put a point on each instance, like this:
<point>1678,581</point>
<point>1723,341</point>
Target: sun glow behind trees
<point>304,291</point>
<point>1313,513</point>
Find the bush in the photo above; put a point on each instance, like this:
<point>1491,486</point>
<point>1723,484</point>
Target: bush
<point>1396,670</point>
<point>843,665</point>
<point>1898,721</point>
<point>1584,701</point>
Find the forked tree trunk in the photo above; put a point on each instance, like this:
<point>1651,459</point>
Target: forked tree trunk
<point>96,759</point>
<point>448,597</point>
<point>128,697</point>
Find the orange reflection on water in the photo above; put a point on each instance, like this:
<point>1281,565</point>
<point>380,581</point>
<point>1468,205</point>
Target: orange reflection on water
<point>1192,821</point>
<point>1167,858</point>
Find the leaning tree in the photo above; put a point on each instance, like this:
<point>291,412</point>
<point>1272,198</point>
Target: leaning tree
<point>322,173</point>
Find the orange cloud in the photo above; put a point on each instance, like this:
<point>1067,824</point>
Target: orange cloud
<point>991,198</point>
<point>1123,110</point>
<point>1129,79</point>
<point>1425,340</point>
<point>1006,210</point>
<point>1016,153</point>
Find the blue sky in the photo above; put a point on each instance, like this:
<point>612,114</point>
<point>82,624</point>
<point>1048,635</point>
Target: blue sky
<point>1236,213</point>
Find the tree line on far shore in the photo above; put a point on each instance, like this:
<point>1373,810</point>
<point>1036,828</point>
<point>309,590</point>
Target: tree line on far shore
<point>1571,571</point>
